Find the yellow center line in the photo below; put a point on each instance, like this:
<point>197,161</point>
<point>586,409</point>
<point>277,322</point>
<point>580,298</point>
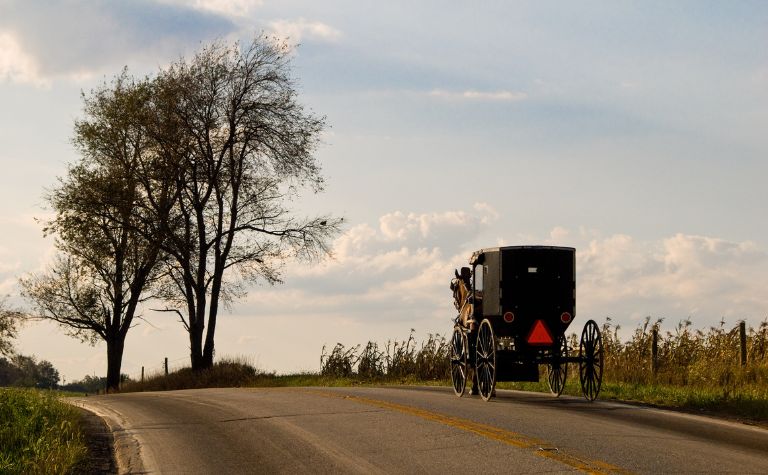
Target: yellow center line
<point>536,446</point>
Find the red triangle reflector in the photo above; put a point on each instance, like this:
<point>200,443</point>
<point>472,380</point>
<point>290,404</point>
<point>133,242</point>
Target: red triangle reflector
<point>539,334</point>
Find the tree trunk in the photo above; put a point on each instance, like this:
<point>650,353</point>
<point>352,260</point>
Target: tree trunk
<point>208,349</point>
<point>114,363</point>
<point>196,347</point>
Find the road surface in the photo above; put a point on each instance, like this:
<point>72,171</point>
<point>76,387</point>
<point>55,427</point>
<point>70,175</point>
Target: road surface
<point>414,430</point>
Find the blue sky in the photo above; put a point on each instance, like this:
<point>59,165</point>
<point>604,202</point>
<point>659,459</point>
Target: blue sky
<point>633,131</point>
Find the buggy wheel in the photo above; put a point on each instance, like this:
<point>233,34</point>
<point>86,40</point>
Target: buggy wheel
<point>557,370</point>
<point>459,358</point>
<point>485,360</point>
<point>591,360</point>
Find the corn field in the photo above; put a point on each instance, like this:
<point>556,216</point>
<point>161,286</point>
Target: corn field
<point>685,356</point>
<point>397,360</point>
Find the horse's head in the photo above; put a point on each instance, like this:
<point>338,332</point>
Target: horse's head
<point>460,287</point>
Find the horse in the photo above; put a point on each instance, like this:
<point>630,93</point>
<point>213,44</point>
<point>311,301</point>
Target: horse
<point>461,288</point>
<point>465,304</point>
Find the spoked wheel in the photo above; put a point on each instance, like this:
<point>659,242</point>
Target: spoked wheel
<point>459,358</point>
<point>591,360</point>
<point>485,361</point>
<point>557,370</point>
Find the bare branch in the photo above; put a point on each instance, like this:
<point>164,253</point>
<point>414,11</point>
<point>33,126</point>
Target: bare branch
<point>177,312</point>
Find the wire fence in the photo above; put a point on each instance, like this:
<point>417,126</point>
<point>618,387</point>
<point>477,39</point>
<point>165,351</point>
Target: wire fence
<point>165,366</point>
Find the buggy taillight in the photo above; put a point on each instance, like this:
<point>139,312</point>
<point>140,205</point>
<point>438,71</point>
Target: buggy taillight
<point>509,317</point>
<point>566,317</point>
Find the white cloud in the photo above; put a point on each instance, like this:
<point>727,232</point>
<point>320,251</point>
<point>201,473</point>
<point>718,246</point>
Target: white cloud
<point>296,30</point>
<point>16,64</point>
<point>83,39</point>
<point>399,226</point>
<point>487,213</point>
<point>399,270</point>
<point>473,95</point>
<point>684,275</point>
<point>237,8</point>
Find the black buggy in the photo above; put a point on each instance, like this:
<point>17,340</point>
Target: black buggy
<point>515,304</point>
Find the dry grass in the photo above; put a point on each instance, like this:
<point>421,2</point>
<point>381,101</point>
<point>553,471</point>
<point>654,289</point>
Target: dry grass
<point>687,357</point>
<point>696,369</point>
<point>399,360</point>
<point>226,373</point>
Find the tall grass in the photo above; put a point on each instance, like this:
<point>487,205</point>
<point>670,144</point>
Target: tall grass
<point>696,369</point>
<point>688,357</point>
<point>398,360</point>
<point>228,373</point>
<point>38,433</point>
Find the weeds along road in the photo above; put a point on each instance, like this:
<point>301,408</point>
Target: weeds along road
<point>413,430</point>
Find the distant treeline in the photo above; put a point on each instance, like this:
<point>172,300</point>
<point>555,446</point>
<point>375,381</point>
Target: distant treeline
<point>26,372</point>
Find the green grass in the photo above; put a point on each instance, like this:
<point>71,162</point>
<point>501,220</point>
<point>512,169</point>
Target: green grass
<point>38,433</point>
<point>743,403</point>
<point>748,404</point>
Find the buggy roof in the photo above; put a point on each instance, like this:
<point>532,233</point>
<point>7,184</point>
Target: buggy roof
<point>504,248</point>
<point>473,259</point>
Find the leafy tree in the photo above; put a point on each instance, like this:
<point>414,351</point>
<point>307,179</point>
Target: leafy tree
<point>241,146</point>
<point>28,375</point>
<point>9,373</point>
<point>25,371</point>
<point>182,193</point>
<point>94,287</point>
<point>9,324</point>
<point>47,375</point>
<point>89,384</point>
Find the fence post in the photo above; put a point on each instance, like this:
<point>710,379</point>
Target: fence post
<point>743,335</point>
<point>142,374</point>
<point>655,350</point>
<point>166,366</point>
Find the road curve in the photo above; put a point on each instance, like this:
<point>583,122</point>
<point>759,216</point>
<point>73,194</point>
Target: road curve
<point>413,429</point>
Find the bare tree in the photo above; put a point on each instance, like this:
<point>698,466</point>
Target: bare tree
<point>106,260</point>
<point>242,147</point>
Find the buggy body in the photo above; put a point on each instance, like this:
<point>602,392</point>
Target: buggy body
<point>523,299</point>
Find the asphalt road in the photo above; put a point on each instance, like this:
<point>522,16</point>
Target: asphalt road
<point>414,430</point>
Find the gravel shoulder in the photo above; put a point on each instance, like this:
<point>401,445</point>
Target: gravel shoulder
<point>100,443</point>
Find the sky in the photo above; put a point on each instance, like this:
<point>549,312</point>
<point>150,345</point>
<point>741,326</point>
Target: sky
<point>632,131</point>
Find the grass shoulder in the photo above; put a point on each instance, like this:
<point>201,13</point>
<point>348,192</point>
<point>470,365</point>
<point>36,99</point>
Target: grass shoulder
<point>748,404</point>
<point>39,433</point>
